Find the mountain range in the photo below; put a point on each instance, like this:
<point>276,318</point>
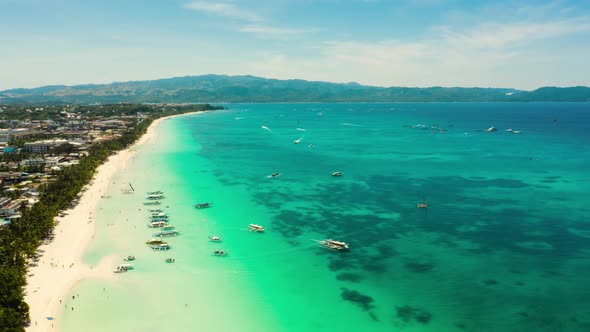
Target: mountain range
<point>222,88</point>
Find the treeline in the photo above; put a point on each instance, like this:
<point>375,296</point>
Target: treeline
<point>20,239</point>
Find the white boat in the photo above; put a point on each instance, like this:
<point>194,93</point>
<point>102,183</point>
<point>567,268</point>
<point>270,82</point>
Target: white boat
<point>157,196</point>
<point>214,239</point>
<point>129,258</point>
<point>335,245</point>
<point>126,266</point>
<point>338,173</point>
<point>274,175</point>
<point>151,203</point>
<point>164,246</point>
<point>167,233</point>
<point>157,192</point>
<point>119,270</point>
<point>491,129</point>
<point>158,224</point>
<point>255,228</point>
<point>516,131</point>
<point>297,141</point>
<point>155,210</point>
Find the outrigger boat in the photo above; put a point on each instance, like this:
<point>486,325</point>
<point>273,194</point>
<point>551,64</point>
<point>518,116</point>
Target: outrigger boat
<point>337,173</point>
<point>255,228</point>
<point>203,205</point>
<point>214,239</point>
<point>168,228</point>
<point>219,252</point>
<point>155,210</point>
<point>164,246</point>
<point>152,203</point>
<point>335,245</point>
<point>156,242</point>
<point>129,258</point>
<point>158,224</point>
<point>167,233</point>
<point>119,269</point>
<point>157,192</point>
<point>151,197</point>
<point>123,268</point>
<point>158,218</point>
<point>158,214</point>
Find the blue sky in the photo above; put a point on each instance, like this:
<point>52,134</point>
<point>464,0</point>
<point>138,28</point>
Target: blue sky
<point>516,44</point>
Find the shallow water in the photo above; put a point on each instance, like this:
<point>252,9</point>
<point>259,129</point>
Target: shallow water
<point>503,245</point>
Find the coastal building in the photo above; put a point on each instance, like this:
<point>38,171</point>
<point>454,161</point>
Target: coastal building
<point>52,161</point>
<point>33,162</point>
<point>11,208</point>
<point>43,146</point>
<point>8,135</point>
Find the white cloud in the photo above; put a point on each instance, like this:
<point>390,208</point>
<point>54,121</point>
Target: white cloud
<point>223,9</point>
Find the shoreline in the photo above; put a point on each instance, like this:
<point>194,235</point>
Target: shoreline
<point>60,266</point>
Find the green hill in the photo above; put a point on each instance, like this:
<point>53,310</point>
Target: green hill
<point>221,88</point>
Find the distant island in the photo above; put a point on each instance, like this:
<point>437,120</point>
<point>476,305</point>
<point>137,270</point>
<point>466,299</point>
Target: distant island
<point>222,88</point>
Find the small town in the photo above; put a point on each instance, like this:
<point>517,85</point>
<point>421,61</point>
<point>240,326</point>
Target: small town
<point>36,143</point>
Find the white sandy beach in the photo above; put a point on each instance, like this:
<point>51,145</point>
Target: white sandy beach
<point>60,266</point>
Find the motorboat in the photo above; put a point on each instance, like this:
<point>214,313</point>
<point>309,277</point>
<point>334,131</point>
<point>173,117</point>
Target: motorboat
<point>126,266</point>
<point>159,214</point>
<point>151,203</point>
<point>214,239</point>
<point>170,260</point>
<point>203,205</point>
<point>129,258</point>
<point>157,192</point>
<point>154,197</point>
<point>219,252</point>
<point>255,228</point>
<point>297,141</point>
<point>274,175</point>
<point>158,218</point>
<point>423,205</point>
<point>491,129</point>
<point>155,210</point>
<point>335,245</point>
<point>156,242</point>
<point>338,173</point>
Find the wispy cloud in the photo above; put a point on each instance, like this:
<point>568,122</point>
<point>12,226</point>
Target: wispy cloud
<point>223,9</point>
<point>500,35</point>
<point>270,31</point>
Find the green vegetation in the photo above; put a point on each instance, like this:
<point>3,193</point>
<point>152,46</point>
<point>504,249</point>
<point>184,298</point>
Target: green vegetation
<point>221,88</point>
<point>21,238</point>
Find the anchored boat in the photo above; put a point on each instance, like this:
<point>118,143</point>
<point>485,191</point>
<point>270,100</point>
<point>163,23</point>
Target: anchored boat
<point>219,252</point>
<point>255,228</point>
<point>335,245</point>
<point>203,205</point>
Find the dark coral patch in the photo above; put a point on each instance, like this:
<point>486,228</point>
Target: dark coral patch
<point>362,300</point>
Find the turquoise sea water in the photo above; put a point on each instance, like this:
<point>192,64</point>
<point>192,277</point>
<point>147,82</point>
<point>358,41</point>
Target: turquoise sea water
<point>503,245</point>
